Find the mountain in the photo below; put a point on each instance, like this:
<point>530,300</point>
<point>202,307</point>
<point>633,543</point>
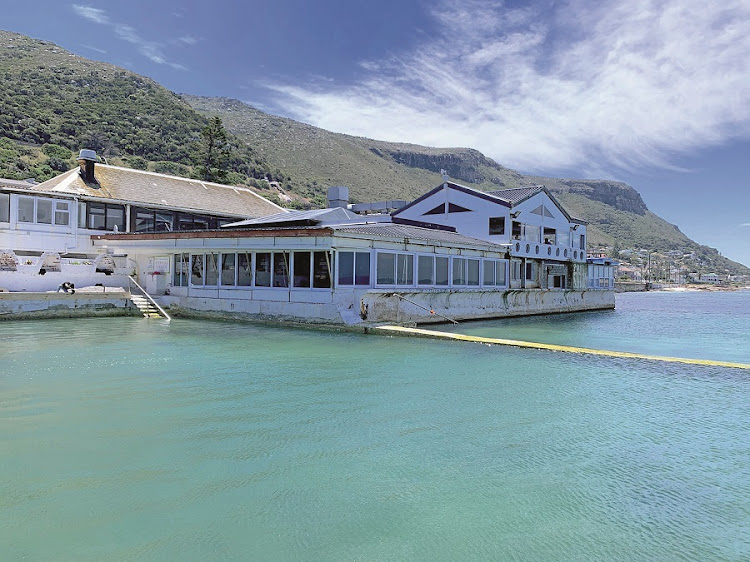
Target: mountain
<point>376,170</point>
<point>53,103</point>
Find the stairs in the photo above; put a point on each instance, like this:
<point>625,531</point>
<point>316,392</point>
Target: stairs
<point>144,305</point>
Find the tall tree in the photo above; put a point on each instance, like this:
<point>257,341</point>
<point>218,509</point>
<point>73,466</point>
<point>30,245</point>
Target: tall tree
<point>213,154</point>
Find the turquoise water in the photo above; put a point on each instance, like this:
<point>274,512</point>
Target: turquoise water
<point>131,439</point>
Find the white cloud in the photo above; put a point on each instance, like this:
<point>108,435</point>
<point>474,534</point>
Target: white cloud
<point>595,86</point>
<point>150,49</point>
<point>745,224</point>
<point>94,14</point>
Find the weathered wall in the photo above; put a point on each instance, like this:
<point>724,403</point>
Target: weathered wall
<point>387,307</point>
<point>16,306</point>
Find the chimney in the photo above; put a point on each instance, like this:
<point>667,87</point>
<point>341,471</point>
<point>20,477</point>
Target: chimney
<point>86,160</point>
<point>337,197</point>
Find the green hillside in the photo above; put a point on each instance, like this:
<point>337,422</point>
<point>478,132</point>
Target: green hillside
<point>377,170</point>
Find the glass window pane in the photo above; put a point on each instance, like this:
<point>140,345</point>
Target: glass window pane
<point>227,269</point>
<point>321,270</point>
<point>96,216</point>
<point>25,209</point>
<point>302,269</point>
<point>177,258</point>
<point>281,269</point>
<point>62,213</point>
<point>441,271</point>
<point>489,273</point>
<point>459,271</point>
<point>244,269</point>
<point>386,267</point>
<point>196,277</point>
<point>81,214</point>
<point>500,273</point>
<point>405,271</point>
<point>497,225</point>
<point>263,270</point>
<point>362,269</point>
<point>346,268</point>
<point>116,217</point>
<point>44,211</point>
<point>4,207</point>
<point>144,220</point>
<point>163,221</point>
<point>425,270</point>
<point>473,277</point>
<point>212,269</point>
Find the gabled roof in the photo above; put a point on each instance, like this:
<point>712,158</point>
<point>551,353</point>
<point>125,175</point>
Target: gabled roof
<point>517,195</point>
<point>458,187</point>
<point>312,217</point>
<point>163,191</point>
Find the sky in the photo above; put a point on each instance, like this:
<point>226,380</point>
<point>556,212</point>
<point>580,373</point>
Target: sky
<point>652,93</point>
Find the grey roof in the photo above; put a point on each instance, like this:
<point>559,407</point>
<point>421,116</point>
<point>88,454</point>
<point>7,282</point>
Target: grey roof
<point>516,194</point>
<point>316,217</point>
<point>161,190</point>
<point>407,232</point>
<point>22,184</point>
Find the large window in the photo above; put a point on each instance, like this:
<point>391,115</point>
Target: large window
<point>151,220</point>
<point>425,270</point>
<point>4,207</point>
<point>550,235</point>
<point>281,269</point>
<point>354,268</point>
<point>497,225</point>
<point>466,271</point>
<point>196,271</point>
<point>322,270</point>
<point>181,270</point>
<point>105,216</point>
<point>228,269</point>
<point>442,271</point>
<point>494,273</point>
<point>395,269</point>
<point>244,269</point>
<point>311,269</point>
<point>263,269</point>
<point>42,211</point>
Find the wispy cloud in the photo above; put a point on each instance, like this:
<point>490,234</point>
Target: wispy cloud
<point>94,14</point>
<point>590,86</point>
<point>745,224</point>
<point>152,50</point>
<point>95,49</point>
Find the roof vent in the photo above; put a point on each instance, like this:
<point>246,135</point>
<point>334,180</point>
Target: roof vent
<point>337,197</point>
<point>86,160</point>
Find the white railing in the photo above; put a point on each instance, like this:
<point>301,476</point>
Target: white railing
<point>150,299</point>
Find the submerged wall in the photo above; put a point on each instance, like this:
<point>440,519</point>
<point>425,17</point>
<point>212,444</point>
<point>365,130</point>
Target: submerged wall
<point>16,306</point>
<point>373,307</point>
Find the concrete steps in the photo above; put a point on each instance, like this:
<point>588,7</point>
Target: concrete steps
<point>144,305</point>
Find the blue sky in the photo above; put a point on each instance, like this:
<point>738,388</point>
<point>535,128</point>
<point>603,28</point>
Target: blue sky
<point>653,93</point>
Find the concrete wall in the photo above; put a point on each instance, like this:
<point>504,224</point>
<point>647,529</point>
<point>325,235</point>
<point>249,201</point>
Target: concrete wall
<point>386,307</point>
<point>16,306</point>
<point>30,281</point>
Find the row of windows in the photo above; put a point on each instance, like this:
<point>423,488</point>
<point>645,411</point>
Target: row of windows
<point>153,220</point>
<point>253,269</point>
<point>43,211</point>
<point>313,270</point>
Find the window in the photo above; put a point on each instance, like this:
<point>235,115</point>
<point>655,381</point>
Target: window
<point>550,235</point>
<point>515,266</point>
<point>494,273</point>
<point>395,269</point>
<point>263,269</point>
<point>196,270</point>
<point>453,208</point>
<point>386,269</point>
<point>322,270</point>
<point>181,268</point>
<point>459,271</point>
<point>228,269</point>
<point>4,207</point>
<point>81,214</point>
<point>212,269</point>
<point>583,242</point>
<point>441,271</point>
<point>25,209</point>
<point>44,211</point>
<point>531,269</point>
<point>517,230</point>
<point>151,220</point>
<point>281,269</point>
<point>497,225</point>
<point>354,268</point>
<point>301,273</point>
<point>105,216</point>
<point>473,273</point>
<point>244,269</point>
<point>62,213</point>
<point>439,210</point>
<point>425,270</point>
<point>533,233</point>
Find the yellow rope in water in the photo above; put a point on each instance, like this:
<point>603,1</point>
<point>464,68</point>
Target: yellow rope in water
<point>554,347</point>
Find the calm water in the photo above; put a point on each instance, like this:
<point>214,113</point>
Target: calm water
<point>126,438</point>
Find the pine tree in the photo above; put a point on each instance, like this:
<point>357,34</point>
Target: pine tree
<point>214,152</point>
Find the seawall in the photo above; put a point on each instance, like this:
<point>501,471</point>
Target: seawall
<point>19,306</point>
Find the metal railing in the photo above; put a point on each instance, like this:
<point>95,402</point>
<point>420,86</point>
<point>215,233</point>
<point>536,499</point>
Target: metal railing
<point>431,311</point>
<point>150,299</point>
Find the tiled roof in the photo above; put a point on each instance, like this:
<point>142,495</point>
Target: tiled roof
<point>22,184</point>
<point>160,190</point>
<point>314,216</point>
<point>405,232</point>
<point>516,194</point>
